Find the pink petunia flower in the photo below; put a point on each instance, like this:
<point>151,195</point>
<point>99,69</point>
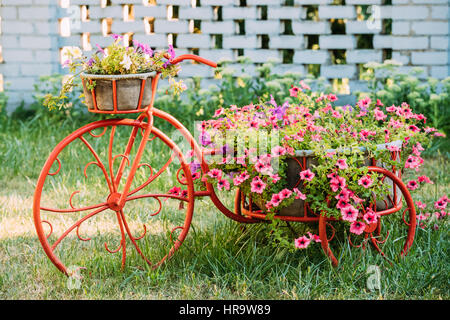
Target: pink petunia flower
<point>257,185</point>
<point>294,91</point>
<point>370,216</point>
<point>344,195</point>
<point>342,164</point>
<point>341,204</point>
<point>215,173</point>
<point>285,193</point>
<point>349,213</point>
<point>307,175</point>
<point>412,185</point>
<point>175,191</point>
<point>357,227</point>
<point>278,151</point>
<point>441,203</point>
<point>365,181</point>
<point>223,184</point>
<point>424,179</point>
<point>276,200</point>
<point>299,194</point>
<point>237,180</point>
<point>302,242</point>
<point>337,183</point>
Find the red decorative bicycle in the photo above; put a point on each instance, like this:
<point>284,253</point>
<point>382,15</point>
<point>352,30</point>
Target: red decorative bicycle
<point>126,166</point>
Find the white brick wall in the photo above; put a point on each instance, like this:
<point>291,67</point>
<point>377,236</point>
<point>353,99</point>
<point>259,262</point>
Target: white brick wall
<point>261,30</point>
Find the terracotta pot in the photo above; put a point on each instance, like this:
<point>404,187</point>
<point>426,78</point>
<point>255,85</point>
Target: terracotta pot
<point>128,91</point>
<point>292,176</point>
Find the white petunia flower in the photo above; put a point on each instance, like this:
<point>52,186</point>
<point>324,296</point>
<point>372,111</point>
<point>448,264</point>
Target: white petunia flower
<point>126,62</point>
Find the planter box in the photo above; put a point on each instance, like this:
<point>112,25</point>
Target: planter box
<point>297,208</point>
<point>131,91</point>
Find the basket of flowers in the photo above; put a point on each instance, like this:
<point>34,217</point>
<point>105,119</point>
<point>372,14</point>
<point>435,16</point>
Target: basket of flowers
<point>118,78</point>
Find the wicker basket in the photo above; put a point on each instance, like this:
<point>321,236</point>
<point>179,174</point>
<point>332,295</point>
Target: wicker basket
<point>118,92</point>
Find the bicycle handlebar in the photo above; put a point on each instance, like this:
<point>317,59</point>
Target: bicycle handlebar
<point>195,58</point>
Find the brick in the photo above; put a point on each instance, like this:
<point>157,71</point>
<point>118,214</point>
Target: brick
<point>39,69</point>
<point>239,42</point>
<point>191,70</point>
<point>35,42</point>
<point>8,13</point>
<point>410,12</point>
<point>337,42</point>
<point>153,40</point>
<point>361,27</point>
<point>363,56</point>
<point>37,13</point>
<point>262,55</point>
<point>175,2</point>
<point>430,1</point>
<point>404,59</point>
<point>426,58</point>
<point>283,69</point>
<point>439,12</point>
<point>201,13</point>
<point>17,27</point>
<point>287,13</point>
<point>218,2</point>
<point>75,40</point>
<point>10,69</point>
<point>262,27</point>
<point>400,43</point>
<point>46,56</point>
<point>216,54</point>
<point>120,27</point>
<point>308,2</point>
<point>400,28</point>
<point>47,28</point>
<point>264,2</point>
<point>439,42</point>
<point>311,27</point>
<point>338,71</point>
<point>235,13</point>
<point>10,41</point>
<point>152,11</point>
<point>194,41</point>
<point>17,56</point>
<point>429,27</point>
<point>439,72</point>
<point>108,12</point>
<point>16,2</point>
<point>119,2</point>
<point>362,2</point>
<point>286,42</point>
<point>163,26</point>
<point>218,27</point>
<point>332,12</point>
<point>311,56</point>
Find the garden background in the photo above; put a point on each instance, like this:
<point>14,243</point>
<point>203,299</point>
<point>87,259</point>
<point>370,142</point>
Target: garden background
<point>352,47</point>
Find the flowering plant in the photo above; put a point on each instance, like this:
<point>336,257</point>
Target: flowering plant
<point>254,142</point>
<point>116,59</point>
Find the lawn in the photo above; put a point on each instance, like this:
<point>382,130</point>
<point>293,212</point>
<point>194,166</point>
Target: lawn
<point>218,260</point>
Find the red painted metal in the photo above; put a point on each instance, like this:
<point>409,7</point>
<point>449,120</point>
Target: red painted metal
<point>117,197</point>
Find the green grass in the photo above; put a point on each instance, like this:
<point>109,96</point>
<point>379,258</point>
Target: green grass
<point>218,260</point>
